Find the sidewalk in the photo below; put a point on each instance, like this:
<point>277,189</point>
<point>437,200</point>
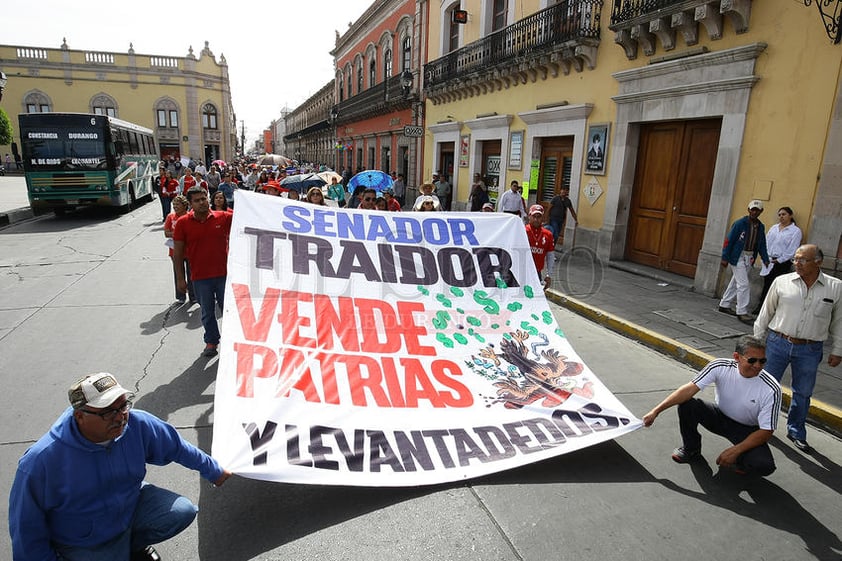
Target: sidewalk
<point>14,204</point>
<point>660,310</point>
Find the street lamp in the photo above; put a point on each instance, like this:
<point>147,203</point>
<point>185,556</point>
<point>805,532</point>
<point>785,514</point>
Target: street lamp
<point>406,82</point>
<point>334,114</point>
<point>3,81</point>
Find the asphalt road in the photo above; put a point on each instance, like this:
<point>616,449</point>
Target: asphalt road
<point>93,292</point>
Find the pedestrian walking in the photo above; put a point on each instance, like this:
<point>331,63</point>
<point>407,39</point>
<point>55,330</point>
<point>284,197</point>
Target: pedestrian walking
<point>560,205</point>
<point>542,245</point>
<point>202,238</point>
<point>479,194</point>
<point>179,210</point>
<point>746,239</point>
<point>511,201</point>
<point>782,240</point>
<point>800,312</point>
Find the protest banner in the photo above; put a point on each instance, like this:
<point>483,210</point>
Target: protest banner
<point>393,349</point>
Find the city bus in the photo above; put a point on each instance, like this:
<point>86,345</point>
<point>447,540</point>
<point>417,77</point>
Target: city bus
<point>77,159</point>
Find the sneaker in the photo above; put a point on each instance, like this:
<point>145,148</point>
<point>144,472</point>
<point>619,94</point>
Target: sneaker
<point>146,554</point>
<point>210,350</point>
<point>799,443</point>
<point>683,456</point>
<point>728,311</point>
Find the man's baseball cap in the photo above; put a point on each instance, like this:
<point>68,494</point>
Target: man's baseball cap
<point>756,203</point>
<point>536,209</point>
<point>96,390</point>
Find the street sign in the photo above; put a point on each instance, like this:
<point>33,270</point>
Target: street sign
<point>413,131</point>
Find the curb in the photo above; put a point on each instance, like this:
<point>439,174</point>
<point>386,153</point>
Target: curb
<point>15,215</point>
<point>822,414</point>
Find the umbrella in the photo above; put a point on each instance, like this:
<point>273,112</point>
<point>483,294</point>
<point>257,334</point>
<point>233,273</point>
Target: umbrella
<point>326,175</point>
<point>220,163</point>
<point>302,181</point>
<point>371,178</point>
<point>273,160</point>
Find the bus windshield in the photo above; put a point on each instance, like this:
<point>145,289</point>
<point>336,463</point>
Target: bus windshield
<point>65,149</point>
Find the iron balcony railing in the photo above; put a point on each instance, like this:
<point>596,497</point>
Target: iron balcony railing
<point>628,10</point>
<point>532,35</point>
<point>384,97</point>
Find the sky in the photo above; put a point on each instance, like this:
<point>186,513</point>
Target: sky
<point>278,52</point>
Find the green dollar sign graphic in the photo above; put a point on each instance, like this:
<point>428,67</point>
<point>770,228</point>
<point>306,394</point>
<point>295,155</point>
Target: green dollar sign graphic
<point>444,340</point>
<point>489,305</point>
<point>441,319</point>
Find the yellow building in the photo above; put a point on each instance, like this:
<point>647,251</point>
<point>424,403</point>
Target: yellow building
<point>185,100</point>
<point>664,118</point>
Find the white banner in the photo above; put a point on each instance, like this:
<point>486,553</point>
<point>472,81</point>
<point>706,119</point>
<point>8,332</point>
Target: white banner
<point>393,349</point>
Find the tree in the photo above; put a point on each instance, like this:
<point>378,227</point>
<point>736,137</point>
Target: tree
<point>6,132</point>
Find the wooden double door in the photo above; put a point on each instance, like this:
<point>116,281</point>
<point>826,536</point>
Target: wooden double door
<point>671,194</point>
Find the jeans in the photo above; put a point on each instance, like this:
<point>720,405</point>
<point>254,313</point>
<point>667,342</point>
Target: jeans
<point>738,288</point>
<point>178,295</point>
<point>556,227</point>
<point>166,205</point>
<point>804,362</point>
<point>209,293</point>
<point>160,514</point>
<point>695,412</point>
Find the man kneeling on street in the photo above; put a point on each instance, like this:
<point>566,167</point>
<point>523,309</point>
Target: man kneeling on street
<point>79,493</point>
<point>748,400</point>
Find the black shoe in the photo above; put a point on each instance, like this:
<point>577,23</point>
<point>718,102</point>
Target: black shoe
<point>799,443</point>
<point>728,311</point>
<point>746,319</point>
<point>210,350</point>
<point>146,554</point>
<point>683,456</point>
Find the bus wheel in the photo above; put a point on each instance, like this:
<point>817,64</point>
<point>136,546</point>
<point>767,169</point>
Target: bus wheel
<point>132,201</point>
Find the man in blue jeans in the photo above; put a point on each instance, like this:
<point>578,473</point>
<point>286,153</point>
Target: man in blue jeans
<point>79,493</point>
<point>801,310</point>
<point>202,238</point>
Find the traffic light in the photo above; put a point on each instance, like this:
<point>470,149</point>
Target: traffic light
<point>460,16</point>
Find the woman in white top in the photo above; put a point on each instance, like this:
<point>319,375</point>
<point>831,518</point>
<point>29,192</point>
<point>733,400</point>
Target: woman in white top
<point>782,240</point>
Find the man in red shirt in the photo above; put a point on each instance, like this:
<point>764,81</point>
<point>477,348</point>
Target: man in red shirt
<point>202,237</point>
<point>541,243</point>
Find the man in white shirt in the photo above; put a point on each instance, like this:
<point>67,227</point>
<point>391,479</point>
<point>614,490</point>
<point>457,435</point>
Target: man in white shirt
<point>748,401</point>
<point>511,201</point>
<point>800,312</point>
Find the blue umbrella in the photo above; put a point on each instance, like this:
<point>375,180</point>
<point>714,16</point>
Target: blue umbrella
<point>371,178</point>
<point>302,181</point>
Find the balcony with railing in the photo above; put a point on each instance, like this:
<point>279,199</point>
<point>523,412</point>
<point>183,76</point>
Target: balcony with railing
<point>554,40</point>
<point>385,97</point>
<point>642,24</point>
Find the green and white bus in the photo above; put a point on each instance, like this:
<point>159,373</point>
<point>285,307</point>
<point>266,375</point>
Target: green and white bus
<point>76,159</point>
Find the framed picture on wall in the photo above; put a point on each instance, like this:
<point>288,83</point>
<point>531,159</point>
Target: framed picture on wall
<point>516,150</point>
<point>597,149</point>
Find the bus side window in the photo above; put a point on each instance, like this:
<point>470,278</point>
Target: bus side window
<point>118,148</point>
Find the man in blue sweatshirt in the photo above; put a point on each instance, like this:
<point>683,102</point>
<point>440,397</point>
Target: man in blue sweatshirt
<point>79,492</point>
<point>746,239</point>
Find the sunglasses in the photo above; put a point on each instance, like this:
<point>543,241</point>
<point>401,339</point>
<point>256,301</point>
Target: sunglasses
<point>754,360</point>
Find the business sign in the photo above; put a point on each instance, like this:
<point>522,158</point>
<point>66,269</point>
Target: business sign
<point>412,131</point>
<point>393,349</point>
